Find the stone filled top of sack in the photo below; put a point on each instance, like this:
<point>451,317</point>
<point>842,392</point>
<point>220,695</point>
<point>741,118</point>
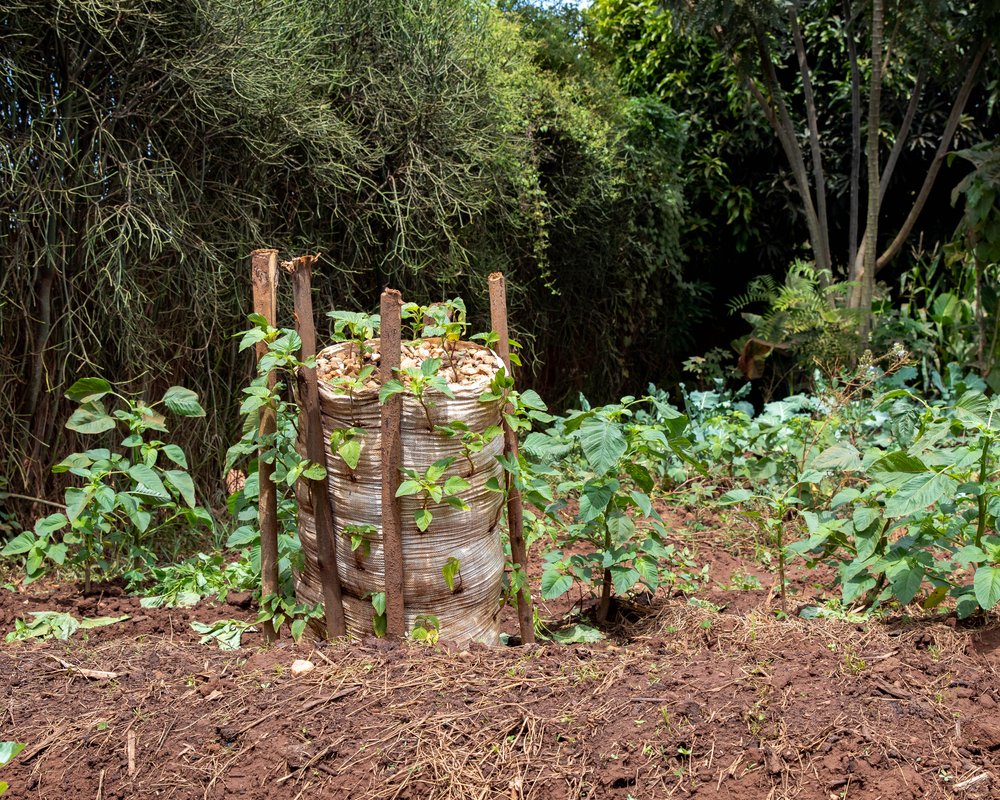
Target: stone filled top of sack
<point>461,363</point>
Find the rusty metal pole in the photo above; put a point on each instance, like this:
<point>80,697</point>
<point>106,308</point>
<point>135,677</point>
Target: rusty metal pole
<point>515,510</point>
<point>392,451</point>
<point>264,277</point>
<point>324,512</point>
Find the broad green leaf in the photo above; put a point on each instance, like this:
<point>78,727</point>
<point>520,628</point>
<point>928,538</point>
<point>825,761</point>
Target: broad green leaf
<point>57,553</point>
<point>73,461</point>
<point>176,454</point>
<point>863,518</point>
<point>641,476</point>
<point>438,468</point>
<point>622,527</point>
<point>603,444</point>
<point>896,468</point>
<point>314,471</point>
<point>378,602</point>
<point>624,578</point>
<point>429,367</point>
<point>843,456</point>
<point>919,492</point>
<point>643,502</point>
<point>183,402</point>
<point>648,571</point>
<point>390,389</point>
<point>555,584</point>
<point>455,485</point>
<point>100,622</point>
<point>9,751</point>
<point>350,451</point>
<point>243,536</point>
<point>91,418</point>
<point>906,582</point>
<point>735,496</point>
<point>183,483</point>
<point>76,501</point>
<point>451,569</point>
<point>577,634</point>
<point>407,488</point>
<point>973,409</point>
<point>87,390</point>
<point>422,517</point>
<point>594,499</point>
<point>987,586</point>
<point>148,482</point>
<point>19,544</point>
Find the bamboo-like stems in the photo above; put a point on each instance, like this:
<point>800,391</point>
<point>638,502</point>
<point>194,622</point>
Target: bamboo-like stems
<point>324,513</point>
<point>515,511</point>
<point>392,411</point>
<point>264,276</point>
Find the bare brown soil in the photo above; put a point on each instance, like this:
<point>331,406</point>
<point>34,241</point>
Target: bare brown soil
<point>681,701</point>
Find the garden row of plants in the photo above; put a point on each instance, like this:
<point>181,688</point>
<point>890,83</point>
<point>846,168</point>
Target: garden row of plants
<point>896,491</point>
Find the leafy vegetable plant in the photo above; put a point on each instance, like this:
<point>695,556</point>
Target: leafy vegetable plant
<point>433,488</point>
<point>127,496</point>
<point>611,484</point>
<point>421,382</point>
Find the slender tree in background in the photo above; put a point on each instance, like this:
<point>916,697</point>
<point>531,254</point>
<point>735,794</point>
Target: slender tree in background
<point>799,63</point>
<point>148,146</point>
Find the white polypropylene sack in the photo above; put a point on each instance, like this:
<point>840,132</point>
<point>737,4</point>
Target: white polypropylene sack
<point>473,536</point>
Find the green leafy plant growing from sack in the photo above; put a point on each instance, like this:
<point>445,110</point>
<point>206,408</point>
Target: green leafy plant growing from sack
<point>923,511</point>
<point>605,453</point>
<point>432,487</point>
<point>128,495</point>
<point>277,448</point>
<point>420,382</point>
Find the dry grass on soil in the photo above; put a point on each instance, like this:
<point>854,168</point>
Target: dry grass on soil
<point>687,703</point>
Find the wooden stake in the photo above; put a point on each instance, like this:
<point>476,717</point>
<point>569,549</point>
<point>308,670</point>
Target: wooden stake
<point>264,276</point>
<point>515,510</point>
<point>324,513</point>
<point>392,451</point>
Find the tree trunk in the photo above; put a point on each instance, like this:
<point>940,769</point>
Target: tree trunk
<point>816,153</point>
<point>776,112</point>
<point>855,176</point>
<point>865,277</point>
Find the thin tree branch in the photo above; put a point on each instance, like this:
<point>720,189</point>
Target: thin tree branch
<point>901,136</point>
<point>855,174</point>
<point>819,179</point>
<point>782,124</point>
<point>932,172</point>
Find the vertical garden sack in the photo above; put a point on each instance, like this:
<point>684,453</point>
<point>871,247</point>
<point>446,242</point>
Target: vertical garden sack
<point>453,569</point>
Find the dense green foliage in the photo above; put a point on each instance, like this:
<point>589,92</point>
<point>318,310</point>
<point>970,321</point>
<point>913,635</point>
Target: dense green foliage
<point>152,144</point>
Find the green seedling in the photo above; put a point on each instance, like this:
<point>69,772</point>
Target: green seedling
<point>426,629</point>
<point>379,620</point>
<point>278,610</point>
<point>348,444</point>
<point>127,496</point>
<point>357,327</point>
<point>452,572</point>
<point>361,538</point>
<point>431,488</point>
<point>472,441</point>
<point>420,382</point>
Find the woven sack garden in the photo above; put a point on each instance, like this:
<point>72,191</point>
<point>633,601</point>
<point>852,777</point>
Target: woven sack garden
<point>468,608</point>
